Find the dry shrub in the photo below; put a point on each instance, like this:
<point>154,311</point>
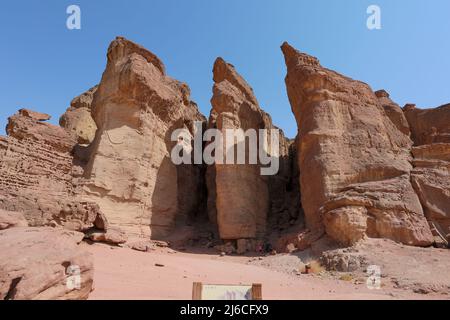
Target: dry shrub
<point>316,267</point>
<point>346,277</point>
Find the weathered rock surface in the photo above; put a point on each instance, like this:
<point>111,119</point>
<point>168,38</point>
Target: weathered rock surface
<point>107,170</point>
<point>240,197</point>
<point>37,174</point>
<point>422,270</point>
<point>430,131</point>
<point>428,125</point>
<point>113,235</point>
<point>393,111</point>
<point>40,264</point>
<point>77,119</point>
<point>10,219</point>
<point>130,173</point>
<point>354,161</point>
<point>431,180</point>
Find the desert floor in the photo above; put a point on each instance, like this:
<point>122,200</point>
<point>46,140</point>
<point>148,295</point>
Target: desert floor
<point>122,273</point>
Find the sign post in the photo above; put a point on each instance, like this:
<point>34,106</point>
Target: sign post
<point>202,291</point>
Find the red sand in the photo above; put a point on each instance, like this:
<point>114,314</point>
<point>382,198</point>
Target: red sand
<point>122,273</point>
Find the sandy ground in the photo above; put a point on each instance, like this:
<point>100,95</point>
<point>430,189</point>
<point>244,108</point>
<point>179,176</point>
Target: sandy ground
<point>122,273</point>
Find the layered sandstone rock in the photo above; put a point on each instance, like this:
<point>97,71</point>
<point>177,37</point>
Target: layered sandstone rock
<point>130,173</point>
<point>44,264</point>
<point>431,175</point>
<point>431,180</point>
<point>38,177</point>
<point>241,198</point>
<point>393,111</point>
<point>284,189</point>
<point>78,120</point>
<point>354,161</point>
<point>428,125</point>
<point>359,172</point>
<point>9,219</point>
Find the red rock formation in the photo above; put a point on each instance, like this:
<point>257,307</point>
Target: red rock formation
<point>38,265</point>
<point>352,156</point>
<point>241,199</point>
<point>78,120</point>
<point>37,174</point>
<point>393,111</point>
<point>429,125</point>
<point>9,219</point>
<point>130,173</point>
<point>431,175</point>
<point>239,213</point>
<point>354,162</point>
<point>431,180</point>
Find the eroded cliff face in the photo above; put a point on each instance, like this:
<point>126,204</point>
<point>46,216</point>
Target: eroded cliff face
<point>393,111</point>
<point>129,172</point>
<point>428,126</point>
<point>241,198</point>
<point>362,166</point>
<point>38,177</point>
<point>354,161</point>
<point>431,174</point>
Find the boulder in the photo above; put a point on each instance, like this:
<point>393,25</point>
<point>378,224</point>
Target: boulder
<point>354,161</point>
<point>113,235</point>
<point>34,115</point>
<point>77,120</point>
<point>10,219</point>
<point>81,216</point>
<point>44,264</point>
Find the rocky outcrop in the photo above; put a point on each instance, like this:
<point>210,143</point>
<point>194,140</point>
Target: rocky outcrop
<point>431,175</point>
<point>422,270</point>
<point>354,161</point>
<point>284,189</point>
<point>129,171</point>
<point>37,174</point>
<point>77,120</point>
<point>362,166</point>
<point>10,219</point>
<point>44,264</point>
<point>239,214</point>
<point>393,111</point>
<point>428,125</point>
<point>241,198</point>
<point>431,180</point>
<point>112,235</point>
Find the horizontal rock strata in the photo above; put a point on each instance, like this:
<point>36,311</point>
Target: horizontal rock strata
<point>354,161</point>
<point>38,177</point>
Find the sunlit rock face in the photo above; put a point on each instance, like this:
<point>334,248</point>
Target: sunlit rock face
<point>130,173</point>
<point>431,175</point>
<point>38,177</point>
<point>77,119</point>
<point>354,159</point>
<point>241,198</point>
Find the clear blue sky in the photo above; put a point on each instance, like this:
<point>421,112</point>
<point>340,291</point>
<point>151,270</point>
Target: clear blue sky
<point>44,65</point>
